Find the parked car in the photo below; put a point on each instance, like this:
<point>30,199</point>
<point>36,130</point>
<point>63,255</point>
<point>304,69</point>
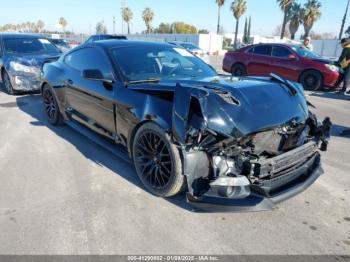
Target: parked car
<point>95,38</point>
<point>292,62</point>
<point>21,59</point>
<point>74,43</point>
<point>234,144</point>
<point>195,50</point>
<point>61,44</point>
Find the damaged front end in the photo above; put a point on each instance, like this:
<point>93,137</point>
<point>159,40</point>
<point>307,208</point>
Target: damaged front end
<point>25,73</point>
<point>232,164</point>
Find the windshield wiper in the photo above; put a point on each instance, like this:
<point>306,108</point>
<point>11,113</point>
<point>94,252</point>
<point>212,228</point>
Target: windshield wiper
<point>149,80</point>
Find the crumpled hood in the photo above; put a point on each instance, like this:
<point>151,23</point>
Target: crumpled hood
<point>36,60</point>
<point>263,104</point>
<point>323,60</point>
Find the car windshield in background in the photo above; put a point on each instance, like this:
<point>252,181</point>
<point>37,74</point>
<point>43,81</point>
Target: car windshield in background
<point>305,53</point>
<point>190,46</point>
<point>143,63</point>
<point>28,46</point>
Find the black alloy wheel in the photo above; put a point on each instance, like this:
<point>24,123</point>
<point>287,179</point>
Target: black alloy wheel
<point>51,107</point>
<point>311,80</point>
<point>238,70</point>
<point>157,161</point>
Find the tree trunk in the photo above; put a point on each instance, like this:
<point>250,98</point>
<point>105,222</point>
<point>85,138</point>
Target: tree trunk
<point>128,28</point>
<point>284,24</point>
<point>236,33</point>
<point>307,31</point>
<point>292,36</point>
<point>218,28</point>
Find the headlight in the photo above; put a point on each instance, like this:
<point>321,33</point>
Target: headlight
<point>332,67</point>
<point>23,68</point>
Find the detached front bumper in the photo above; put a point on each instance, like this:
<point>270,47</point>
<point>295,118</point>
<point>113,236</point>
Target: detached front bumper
<point>265,194</point>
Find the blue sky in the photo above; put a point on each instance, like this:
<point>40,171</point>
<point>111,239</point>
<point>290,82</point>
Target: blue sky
<point>82,15</point>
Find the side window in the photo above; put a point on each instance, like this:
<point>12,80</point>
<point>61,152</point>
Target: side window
<point>281,52</point>
<point>89,58</point>
<point>263,50</point>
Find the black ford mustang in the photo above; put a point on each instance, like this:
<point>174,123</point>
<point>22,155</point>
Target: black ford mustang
<point>232,143</point>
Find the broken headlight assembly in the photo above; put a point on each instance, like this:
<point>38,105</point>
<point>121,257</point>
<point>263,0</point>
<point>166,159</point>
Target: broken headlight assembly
<point>21,68</point>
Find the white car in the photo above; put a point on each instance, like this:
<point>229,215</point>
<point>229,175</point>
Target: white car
<point>195,50</point>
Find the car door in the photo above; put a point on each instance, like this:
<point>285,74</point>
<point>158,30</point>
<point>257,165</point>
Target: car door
<point>284,62</point>
<point>90,100</point>
<point>259,60</point>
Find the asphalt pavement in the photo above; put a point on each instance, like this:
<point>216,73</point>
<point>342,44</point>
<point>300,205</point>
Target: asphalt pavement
<point>60,193</point>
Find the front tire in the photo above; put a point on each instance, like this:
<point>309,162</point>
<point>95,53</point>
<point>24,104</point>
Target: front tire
<point>51,107</point>
<point>157,161</point>
<point>7,82</point>
<point>312,80</point>
<point>238,70</point>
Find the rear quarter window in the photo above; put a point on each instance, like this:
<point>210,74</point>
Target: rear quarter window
<point>263,50</point>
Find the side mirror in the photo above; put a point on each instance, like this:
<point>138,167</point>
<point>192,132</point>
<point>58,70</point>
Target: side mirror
<point>292,57</point>
<point>93,74</point>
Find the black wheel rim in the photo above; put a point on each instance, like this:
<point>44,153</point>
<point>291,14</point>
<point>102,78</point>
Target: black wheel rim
<point>311,82</point>
<point>238,72</point>
<point>49,103</point>
<point>153,160</point>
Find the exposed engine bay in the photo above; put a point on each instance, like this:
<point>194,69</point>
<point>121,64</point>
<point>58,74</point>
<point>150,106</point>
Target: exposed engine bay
<point>265,162</point>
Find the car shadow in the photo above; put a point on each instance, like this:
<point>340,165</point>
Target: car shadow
<point>337,130</point>
<point>32,105</point>
<point>330,94</point>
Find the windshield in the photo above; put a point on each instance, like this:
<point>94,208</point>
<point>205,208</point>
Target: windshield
<point>190,46</point>
<point>305,53</point>
<point>59,42</point>
<point>163,63</point>
<point>28,46</point>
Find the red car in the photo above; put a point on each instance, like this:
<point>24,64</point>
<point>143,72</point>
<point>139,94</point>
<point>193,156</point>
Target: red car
<point>292,62</point>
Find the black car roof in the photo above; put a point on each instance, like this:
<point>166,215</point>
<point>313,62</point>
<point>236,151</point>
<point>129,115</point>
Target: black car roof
<point>107,44</point>
<point>20,35</point>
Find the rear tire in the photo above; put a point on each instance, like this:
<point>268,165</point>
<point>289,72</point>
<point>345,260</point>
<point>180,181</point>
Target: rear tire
<point>238,70</point>
<point>7,83</point>
<point>312,80</point>
<point>51,107</point>
<point>157,161</point>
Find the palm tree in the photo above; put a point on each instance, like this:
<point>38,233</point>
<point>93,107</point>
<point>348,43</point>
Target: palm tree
<point>40,25</point>
<point>147,16</point>
<point>127,17</point>
<point>285,5</point>
<point>310,14</point>
<point>295,20</point>
<point>220,3</point>
<point>63,23</point>
<point>238,8</point>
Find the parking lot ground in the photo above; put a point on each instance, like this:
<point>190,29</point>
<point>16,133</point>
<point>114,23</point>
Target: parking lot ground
<point>60,193</point>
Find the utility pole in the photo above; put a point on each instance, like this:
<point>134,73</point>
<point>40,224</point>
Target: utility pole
<point>113,25</point>
<point>344,20</point>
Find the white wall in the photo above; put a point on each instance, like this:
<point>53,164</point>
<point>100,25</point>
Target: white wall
<point>209,42</point>
<point>327,48</point>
